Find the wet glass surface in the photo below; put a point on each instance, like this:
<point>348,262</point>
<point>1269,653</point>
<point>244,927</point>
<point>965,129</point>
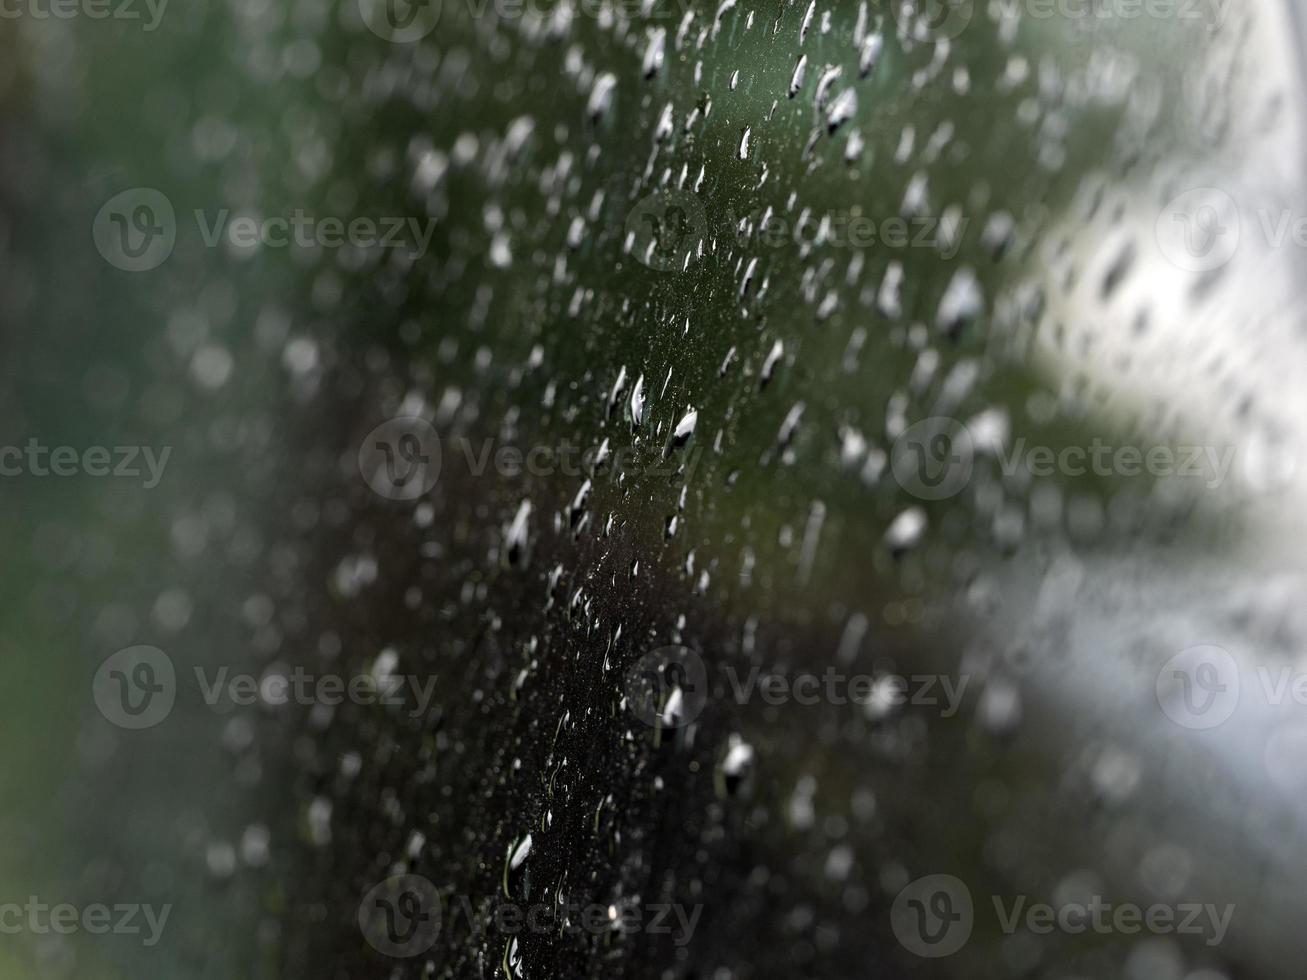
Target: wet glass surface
<point>650,489</point>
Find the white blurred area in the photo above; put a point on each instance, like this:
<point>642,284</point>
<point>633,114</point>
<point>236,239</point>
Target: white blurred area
<point>1203,341</point>
<point>1203,338</point>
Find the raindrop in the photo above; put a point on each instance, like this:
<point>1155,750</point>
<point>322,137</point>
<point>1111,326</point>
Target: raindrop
<point>769,364</point>
<point>684,429</point>
<point>601,96</point>
<point>906,530</point>
<point>515,546</point>
<point>735,767</point>
<point>515,867</point>
<point>636,404</point>
<point>653,52</point>
<point>796,78</point>
<point>841,110</point>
